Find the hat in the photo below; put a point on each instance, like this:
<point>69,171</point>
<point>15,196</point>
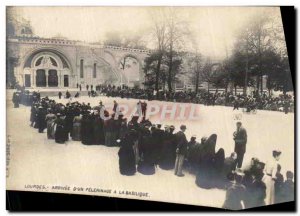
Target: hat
<point>182,127</point>
<point>276,153</point>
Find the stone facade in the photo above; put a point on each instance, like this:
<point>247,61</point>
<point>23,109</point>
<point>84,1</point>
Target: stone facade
<point>56,62</point>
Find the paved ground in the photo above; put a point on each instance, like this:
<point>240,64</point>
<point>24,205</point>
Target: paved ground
<point>34,160</point>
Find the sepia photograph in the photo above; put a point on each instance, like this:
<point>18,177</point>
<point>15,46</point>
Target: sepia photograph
<point>185,105</point>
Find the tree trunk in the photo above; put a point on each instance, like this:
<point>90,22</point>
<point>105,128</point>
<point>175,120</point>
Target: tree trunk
<point>235,90</point>
<point>157,73</point>
<point>261,83</point>
<point>170,68</point>
<point>284,89</point>
<point>197,82</point>
<point>257,84</point>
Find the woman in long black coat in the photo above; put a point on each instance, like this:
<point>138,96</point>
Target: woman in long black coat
<point>218,168</point>
<point>41,119</point>
<point>60,132</point>
<point>126,155</point>
<point>205,171</point>
<point>98,130</point>
<point>146,165</point>
<point>87,129</point>
<point>168,151</point>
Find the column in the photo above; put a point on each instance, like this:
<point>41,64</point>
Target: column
<point>58,78</point>
<point>47,78</point>
<point>23,77</point>
<point>32,77</point>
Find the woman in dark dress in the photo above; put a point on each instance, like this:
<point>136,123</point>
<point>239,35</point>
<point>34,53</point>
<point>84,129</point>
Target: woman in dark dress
<point>109,133</point>
<point>168,151</point>
<point>126,155</point>
<point>218,168</point>
<point>206,163</point>
<point>146,164</point>
<point>123,128</point>
<point>60,132</point>
<point>41,119</point>
<point>98,129</point>
<point>87,129</point>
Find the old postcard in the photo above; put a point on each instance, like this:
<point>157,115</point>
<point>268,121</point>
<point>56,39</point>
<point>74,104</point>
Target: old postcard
<point>188,105</point>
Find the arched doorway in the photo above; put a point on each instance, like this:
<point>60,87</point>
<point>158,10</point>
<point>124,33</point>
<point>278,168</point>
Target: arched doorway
<point>46,69</point>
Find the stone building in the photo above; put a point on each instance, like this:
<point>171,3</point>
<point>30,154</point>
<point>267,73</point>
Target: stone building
<point>57,62</point>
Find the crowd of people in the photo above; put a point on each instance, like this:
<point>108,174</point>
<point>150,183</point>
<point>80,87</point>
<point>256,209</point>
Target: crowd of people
<point>144,146</point>
<point>284,103</point>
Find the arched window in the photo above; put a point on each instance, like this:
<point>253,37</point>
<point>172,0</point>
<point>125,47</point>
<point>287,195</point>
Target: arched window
<point>54,63</point>
<point>81,68</point>
<point>95,70</point>
<point>39,61</point>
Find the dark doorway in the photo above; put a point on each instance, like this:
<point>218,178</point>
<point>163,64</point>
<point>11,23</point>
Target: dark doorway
<point>52,78</point>
<point>66,81</point>
<point>27,80</point>
<point>41,78</point>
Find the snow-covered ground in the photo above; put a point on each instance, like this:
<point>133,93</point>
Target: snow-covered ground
<point>34,160</point>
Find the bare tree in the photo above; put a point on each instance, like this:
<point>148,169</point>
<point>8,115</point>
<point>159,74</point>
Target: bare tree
<point>195,66</point>
<point>177,29</point>
<point>159,35</point>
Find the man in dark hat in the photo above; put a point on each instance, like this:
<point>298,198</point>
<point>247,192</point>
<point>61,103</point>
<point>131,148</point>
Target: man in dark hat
<point>256,192</point>
<point>288,188</point>
<point>235,193</point>
<point>240,139</point>
<point>181,150</point>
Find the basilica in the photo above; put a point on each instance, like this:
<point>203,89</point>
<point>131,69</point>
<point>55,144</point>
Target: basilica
<point>35,62</point>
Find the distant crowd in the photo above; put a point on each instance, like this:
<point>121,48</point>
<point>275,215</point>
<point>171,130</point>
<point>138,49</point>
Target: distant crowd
<point>284,103</point>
